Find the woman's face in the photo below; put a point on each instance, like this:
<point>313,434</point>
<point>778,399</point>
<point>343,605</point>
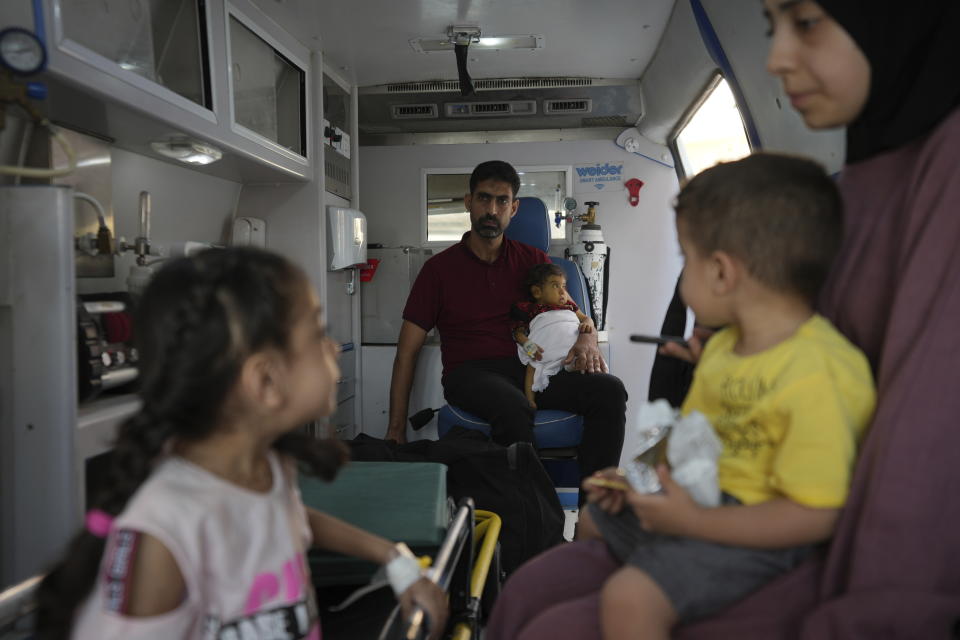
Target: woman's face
<point>823,71</point>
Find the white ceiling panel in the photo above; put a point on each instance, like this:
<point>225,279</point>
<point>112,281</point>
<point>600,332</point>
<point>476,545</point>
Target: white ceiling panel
<point>367,41</point>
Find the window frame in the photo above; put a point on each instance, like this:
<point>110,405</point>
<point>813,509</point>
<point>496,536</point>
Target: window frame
<point>715,79</point>
<point>567,170</point>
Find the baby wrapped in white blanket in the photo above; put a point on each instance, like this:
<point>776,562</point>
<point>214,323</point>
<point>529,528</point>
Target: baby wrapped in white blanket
<point>555,332</point>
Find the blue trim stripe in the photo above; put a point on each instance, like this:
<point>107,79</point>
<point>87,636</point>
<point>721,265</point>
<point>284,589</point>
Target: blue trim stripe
<point>642,155</point>
<point>715,49</point>
<point>38,27</point>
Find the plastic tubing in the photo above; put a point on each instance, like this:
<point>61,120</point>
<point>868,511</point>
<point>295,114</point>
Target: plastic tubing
<point>35,172</point>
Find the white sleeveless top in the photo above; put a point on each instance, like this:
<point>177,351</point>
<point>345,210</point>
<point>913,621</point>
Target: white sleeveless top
<point>241,554</point>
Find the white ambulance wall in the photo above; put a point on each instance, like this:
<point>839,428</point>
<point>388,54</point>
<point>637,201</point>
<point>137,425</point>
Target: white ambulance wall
<point>186,205</point>
<point>645,256</point>
<point>677,74</point>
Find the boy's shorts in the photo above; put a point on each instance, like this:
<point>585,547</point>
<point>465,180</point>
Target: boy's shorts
<point>699,578</point>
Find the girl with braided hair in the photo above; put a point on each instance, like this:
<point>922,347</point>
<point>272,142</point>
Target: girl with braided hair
<point>200,531</point>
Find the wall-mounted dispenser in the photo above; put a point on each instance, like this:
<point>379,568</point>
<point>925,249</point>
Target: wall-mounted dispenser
<point>346,238</point>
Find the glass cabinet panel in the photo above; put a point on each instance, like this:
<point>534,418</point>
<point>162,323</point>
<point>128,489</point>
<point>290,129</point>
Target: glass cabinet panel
<point>268,89</point>
<point>162,40</point>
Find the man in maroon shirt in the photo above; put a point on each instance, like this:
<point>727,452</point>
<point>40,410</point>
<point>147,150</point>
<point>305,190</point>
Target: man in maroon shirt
<point>466,292</point>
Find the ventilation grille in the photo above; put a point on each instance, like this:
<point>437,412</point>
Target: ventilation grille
<point>336,169</point>
<point>568,106</point>
<point>490,84</point>
<point>604,121</point>
<point>412,111</point>
<point>486,109</point>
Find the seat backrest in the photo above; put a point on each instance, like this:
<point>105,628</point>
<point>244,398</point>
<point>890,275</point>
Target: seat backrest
<point>531,226</point>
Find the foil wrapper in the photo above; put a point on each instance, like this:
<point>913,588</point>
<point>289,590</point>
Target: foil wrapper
<point>688,444</point>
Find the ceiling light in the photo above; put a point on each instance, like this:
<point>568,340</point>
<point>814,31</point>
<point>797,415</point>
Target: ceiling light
<point>486,43</point>
<point>187,150</point>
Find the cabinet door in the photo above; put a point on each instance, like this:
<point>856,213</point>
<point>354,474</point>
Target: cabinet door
<point>267,89</point>
<point>161,40</point>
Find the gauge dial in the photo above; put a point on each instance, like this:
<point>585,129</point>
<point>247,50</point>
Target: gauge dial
<point>21,52</point>
<point>569,204</point>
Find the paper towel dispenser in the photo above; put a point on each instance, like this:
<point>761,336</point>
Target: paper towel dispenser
<point>346,238</point>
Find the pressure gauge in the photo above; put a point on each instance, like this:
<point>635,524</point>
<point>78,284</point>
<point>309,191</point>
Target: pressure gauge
<point>569,204</point>
<point>21,52</point>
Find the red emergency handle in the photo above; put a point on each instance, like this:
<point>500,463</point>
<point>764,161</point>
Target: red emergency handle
<point>633,187</point>
<point>367,270</point>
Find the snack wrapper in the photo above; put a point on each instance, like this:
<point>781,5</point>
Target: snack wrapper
<point>687,443</point>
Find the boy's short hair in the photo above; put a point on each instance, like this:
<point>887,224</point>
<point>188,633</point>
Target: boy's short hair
<point>781,215</point>
<point>495,170</point>
<point>538,274</point>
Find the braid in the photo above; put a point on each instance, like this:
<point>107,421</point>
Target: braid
<point>139,444</point>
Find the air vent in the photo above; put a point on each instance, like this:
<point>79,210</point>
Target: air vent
<point>489,84</point>
<point>410,111</point>
<point>567,106</point>
<point>486,109</point>
<point>604,121</point>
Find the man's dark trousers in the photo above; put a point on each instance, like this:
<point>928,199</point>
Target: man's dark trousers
<point>493,390</point>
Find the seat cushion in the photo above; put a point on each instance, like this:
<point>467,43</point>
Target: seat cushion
<point>552,428</point>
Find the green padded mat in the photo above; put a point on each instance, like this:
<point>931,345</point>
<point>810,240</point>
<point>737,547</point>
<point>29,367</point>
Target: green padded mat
<point>402,501</point>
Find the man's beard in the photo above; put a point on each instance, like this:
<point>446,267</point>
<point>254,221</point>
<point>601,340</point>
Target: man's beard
<point>486,231</point>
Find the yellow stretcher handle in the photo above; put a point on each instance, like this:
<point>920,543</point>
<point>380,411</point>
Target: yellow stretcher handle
<point>487,526</point>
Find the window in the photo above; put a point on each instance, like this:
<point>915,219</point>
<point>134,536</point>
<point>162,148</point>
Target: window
<point>712,131</point>
<point>448,219</point>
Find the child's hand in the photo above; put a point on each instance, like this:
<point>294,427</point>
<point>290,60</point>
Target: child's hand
<point>673,512</point>
<point>430,596</point>
<point>587,326</point>
<point>607,489</point>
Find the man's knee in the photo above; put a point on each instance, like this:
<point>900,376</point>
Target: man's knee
<point>610,389</point>
<point>512,422</point>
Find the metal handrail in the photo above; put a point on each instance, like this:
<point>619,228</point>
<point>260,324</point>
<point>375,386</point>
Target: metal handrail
<point>18,601</point>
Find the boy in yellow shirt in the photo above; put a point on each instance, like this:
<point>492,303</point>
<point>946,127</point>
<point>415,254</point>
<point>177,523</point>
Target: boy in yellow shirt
<point>788,396</point>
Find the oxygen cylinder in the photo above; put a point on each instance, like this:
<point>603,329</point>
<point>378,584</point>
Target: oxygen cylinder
<point>590,253</point>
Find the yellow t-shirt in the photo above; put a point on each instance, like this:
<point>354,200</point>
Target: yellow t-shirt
<point>790,418</point>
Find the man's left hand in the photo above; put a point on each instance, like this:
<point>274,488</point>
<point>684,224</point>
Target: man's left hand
<point>585,355</point>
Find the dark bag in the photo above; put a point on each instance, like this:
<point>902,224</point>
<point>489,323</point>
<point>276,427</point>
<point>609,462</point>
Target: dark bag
<point>509,481</point>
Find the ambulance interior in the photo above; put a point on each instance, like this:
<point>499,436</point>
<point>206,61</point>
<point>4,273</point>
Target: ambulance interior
<point>339,133</point>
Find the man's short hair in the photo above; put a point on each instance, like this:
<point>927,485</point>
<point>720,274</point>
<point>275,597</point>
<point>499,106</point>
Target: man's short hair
<point>495,170</point>
<point>782,216</point>
<point>538,274</point>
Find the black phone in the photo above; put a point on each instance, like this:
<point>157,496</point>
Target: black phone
<point>658,339</point>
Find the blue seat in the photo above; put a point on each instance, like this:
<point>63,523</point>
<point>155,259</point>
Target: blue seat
<point>555,433</point>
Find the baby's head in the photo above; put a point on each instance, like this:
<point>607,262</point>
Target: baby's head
<point>779,216</point>
<point>546,284</point>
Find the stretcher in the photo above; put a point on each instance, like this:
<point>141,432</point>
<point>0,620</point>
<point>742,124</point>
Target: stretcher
<point>405,502</point>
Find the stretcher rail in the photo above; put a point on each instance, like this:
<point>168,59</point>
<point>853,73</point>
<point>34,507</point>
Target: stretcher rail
<point>18,601</point>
